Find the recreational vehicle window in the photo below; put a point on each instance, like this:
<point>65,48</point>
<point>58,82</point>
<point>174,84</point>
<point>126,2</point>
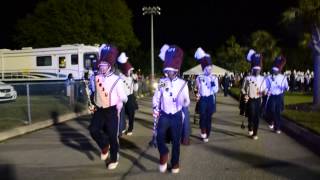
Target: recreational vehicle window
<point>62,62</point>
<point>44,61</point>
<point>90,60</point>
<point>74,59</point>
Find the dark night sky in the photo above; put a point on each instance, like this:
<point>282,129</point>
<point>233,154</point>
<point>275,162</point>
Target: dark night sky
<point>208,23</point>
<point>189,24</point>
<point>10,12</point>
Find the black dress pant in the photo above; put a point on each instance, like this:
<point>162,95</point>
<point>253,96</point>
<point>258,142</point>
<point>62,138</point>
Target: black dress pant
<point>104,129</point>
<point>254,112</point>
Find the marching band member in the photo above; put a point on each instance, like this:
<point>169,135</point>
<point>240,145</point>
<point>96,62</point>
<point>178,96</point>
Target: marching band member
<point>207,85</point>
<point>253,88</point>
<point>129,87</point>
<point>109,96</point>
<point>277,84</point>
<point>171,95</point>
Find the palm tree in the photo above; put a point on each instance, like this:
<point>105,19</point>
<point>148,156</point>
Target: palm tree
<point>308,12</point>
<point>263,42</point>
<point>231,56</point>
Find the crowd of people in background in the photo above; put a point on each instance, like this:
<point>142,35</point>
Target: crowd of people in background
<point>299,81</point>
<point>143,82</point>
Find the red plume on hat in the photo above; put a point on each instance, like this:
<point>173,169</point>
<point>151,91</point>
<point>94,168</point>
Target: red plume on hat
<point>279,63</point>
<point>255,59</point>
<point>172,56</point>
<point>203,58</point>
<point>124,64</point>
<point>107,54</point>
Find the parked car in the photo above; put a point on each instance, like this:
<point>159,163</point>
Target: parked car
<point>7,92</point>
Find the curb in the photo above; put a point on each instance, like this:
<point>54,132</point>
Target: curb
<point>302,135</point>
<point>18,131</point>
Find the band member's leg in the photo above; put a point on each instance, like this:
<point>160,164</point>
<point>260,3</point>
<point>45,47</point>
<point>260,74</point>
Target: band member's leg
<point>176,127</point>
<point>203,115</point>
<point>162,126</point>
<point>256,116</point>
<point>209,125</point>
<point>268,115</point>
<point>131,113</point>
<point>96,129</point>
<point>112,126</point>
<point>273,110</point>
<point>250,115</point>
<point>185,126</point>
<point>122,123</point>
<point>277,113</point>
<point>209,116</point>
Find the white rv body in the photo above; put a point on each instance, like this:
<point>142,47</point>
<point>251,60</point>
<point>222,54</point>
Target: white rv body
<point>46,64</point>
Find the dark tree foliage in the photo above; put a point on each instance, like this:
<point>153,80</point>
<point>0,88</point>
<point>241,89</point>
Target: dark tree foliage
<point>263,42</point>
<point>232,56</point>
<point>56,22</point>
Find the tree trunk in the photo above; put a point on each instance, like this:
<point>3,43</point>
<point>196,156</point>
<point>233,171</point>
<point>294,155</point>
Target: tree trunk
<point>315,44</point>
<point>316,81</point>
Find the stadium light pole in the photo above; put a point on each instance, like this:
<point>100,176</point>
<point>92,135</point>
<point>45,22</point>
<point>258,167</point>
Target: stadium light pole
<point>151,10</point>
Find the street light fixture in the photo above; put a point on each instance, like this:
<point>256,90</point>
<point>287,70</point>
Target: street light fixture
<point>151,10</point>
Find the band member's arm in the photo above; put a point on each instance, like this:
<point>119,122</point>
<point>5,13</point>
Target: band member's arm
<point>244,86</point>
<point>135,86</point>
<point>268,85</point>
<point>92,89</point>
<point>198,87</point>
<point>285,86</point>
<point>91,85</point>
<point>156,101</point>
<point>215,87</point>
<point>263,88</point>
<point>120,92</point>
<point>245,89</point>
<point>185,95</point>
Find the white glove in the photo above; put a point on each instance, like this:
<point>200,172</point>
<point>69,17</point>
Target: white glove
<point>198,97</point>
<point>269,93</point>
<point>246,98</point>
<point>156,113</point>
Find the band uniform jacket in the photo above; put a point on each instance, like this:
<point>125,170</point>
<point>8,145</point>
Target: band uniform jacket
<point>109,91</point>
<point>128,83</point>
<point>277,84</point>
<point>207,85</point>
<point>254,86</point>
<point>170,96</point>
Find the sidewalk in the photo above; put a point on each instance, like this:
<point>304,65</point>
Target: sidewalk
<point>18,131</point>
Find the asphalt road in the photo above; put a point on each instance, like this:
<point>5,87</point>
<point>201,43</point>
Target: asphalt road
<point>66,151</point>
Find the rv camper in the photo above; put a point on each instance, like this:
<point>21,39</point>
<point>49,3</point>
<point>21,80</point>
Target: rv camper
<point>46,64</point>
